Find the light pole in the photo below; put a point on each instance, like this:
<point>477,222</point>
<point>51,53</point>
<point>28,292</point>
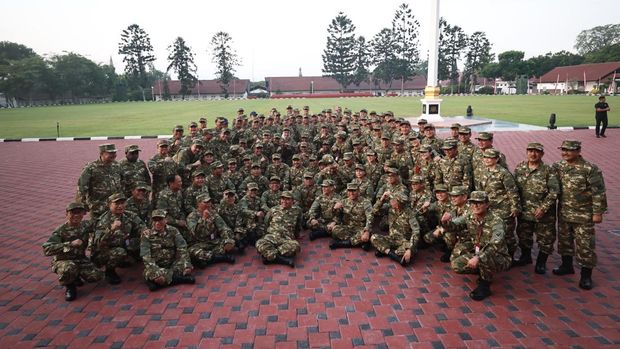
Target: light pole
<point>431,100</point>
<point>153,93</point>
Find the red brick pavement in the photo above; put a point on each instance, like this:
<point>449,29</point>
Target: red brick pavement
<point>341,299</point>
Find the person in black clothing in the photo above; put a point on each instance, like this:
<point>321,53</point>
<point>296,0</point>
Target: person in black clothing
<point>601,116</point>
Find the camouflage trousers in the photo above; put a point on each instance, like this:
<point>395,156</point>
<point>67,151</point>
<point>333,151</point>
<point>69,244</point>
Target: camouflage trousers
<point>511,238</point>
<point>271,245</point>
<point>487,266</point>
<point>116,257</point>
<point>69,271</point>
<point>393,242</point>
<point>321,225</point>
<point>449,237</point>
<point>544,231</point>
<point>579,238</point>
<point>348,233</point>
<point>206,251</point>
<point>154,272</point>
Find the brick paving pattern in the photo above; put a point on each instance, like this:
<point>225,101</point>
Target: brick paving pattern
<point>339,299</point>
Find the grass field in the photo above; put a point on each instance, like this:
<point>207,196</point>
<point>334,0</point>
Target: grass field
<point>152,118</point>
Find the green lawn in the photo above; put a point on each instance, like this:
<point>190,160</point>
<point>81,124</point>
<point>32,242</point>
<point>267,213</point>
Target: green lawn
<point>152,118</point>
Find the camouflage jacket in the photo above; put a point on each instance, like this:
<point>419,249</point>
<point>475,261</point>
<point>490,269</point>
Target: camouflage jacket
<point>355,214</point>
<point>452,172</point>
<point>488,234</point>
<point>296,175</point>
<point>538,188</point>
<point>205,230</point>
<point>142,209</point>
<point>305,196</point>
<point>189,197</point>
<point>161,169</point>
<point>163,249</point>
<point>236,178</point>
<point>173,203</point>
<point>185,158</point>
<point>393,189</point>
<point>59,243</point>
<point>502,190</point>
<point>216,186</point>
<point>231,214</point>
<point>322,208</point>
<point>127,236</point>
<point>366,189</point>
<point>284,222</point>
<point>404,226</point>
<point>261,181</point>
<point>98,181</point>
<point>478,167</point>
<point>426,169</point>
<point>404,162</point>
<point>282,171</point>
<point>582,191</point>
<point>466,149</point>
<point>133,172</point>
<point>417,200</point>
<point>270,199</point>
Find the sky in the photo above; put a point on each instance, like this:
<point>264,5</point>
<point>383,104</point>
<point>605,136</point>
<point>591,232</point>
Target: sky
<point>277,37</point>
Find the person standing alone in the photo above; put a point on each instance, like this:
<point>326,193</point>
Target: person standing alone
<point>601,116</point>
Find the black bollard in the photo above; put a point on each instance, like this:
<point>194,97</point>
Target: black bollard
<point>470,111</point>
<point>58,129</point>
<point>552,125</point>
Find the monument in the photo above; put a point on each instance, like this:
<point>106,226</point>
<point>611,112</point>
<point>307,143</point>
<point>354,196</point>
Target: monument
<point>431,103</point>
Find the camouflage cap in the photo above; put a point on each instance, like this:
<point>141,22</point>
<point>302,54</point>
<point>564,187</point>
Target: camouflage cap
<point>197,173</point>
<point>326,142</point>
<point>416,179</point>
<point>289,107</point>
<point>229,191</point>
<point>308,175</point>
<point>485,136</point>
<point>371,153</point>
<point>198,142</point>
<point>247,158</point>
<point>208,152</point>
<point>398,141</point>
<point>313,157</point>
<point>479,196</point>
<point>306,107</point>
<point>441,187</point>
<point>252,186</point>
<point>217,164</point>
<point>276,156</point>
<point>240,110</point>
<point>296,157</point>
<point>328,159</point>
<point>363,111</point>
<point>404,123</point>
<point>464,130</point>
<point>425,148</point>
<point>193,124</point>
<point>429,127</point>
<point>201,120</point>
<point>372,112</point>
<point>232,161</point>
<point>159,214</point>
<point>286,194</point>
<point>206,131</point>
<point>117,197</point>
<point>75,206</point>
<point>535,146</point>
<point>360,167</point>
<point>274,179</point>
<point>347,156</point>
<point>163,143</point>
<point>422,122</point>
<point>266,133</point>
<point>242,140</point>
<point>178,128</point>
<point>456,126</point>
<point>132,148</point>
<point>107,148</point>
<point>449,144</point>
<point>341,134</point>
<point>352,187</point>
<point>385,136</point>
<point>413,135</point>
<point>234,148</point>
<point>328,110</point>
<point>327,183</point>
<point>258,145</point>
<point>142,185</point>
<point>203,198</point>
<point>255,164</point>
<point>356,142</point>
<point>570,144</point>
<point>392,170</point>
<point>459,190</point>
<point>491,153</point>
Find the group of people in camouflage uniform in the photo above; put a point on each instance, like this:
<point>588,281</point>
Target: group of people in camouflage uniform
<point>363,179</point>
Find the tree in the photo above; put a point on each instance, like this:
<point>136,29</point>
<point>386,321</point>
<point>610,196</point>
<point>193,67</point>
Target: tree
<point>362,61</point>
<point>181,60</point>
<point>539,65</point>
<point>339,57</point>
<point>596,38</point>
<point>384,57</point>
<point>405,28</point>
<point>225,59</point>
<point>477,55</point>
<point>511,65</point>
<point>25,78</point>
<point>79,76</point>
<point>10,51</point>
<point>136,47</point>
<point>452,42</point>
<point>606,54</point>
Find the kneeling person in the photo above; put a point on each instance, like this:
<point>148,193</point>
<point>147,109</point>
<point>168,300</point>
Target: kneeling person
<point>68,246</point>
<point>283,224</point>
<point>164,252</point>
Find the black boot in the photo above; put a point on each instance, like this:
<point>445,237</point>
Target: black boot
<point>586,278</point>
<point>379,254</point>
<point>396,258</point>
<point>340,244</point>
<point>284,261</point>
<point>201,264</point>
<point>566,267</point>
<point>70,293</point>
<point>524,259</point>
<point>445,257</point>
<point>226,258</point>
<point>482,291</point>
<point>240,245</point>
<point>153,286</point>
<point>541,263</point>
<point>112,277</point>
<point>366,246</point>
<point>183,279</point>
<point>317,234</point>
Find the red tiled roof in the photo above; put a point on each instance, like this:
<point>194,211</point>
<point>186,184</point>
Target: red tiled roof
<point>321,83</point>
<point>206,87</point>
<point>593,72</point>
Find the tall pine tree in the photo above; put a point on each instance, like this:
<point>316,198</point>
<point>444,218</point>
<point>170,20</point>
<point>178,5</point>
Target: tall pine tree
<point>137,50</point>
<point>339,56</point>
<point>452,42</point>
<point>225,58</point>
<point>181,60</point>
<point>405,28</point>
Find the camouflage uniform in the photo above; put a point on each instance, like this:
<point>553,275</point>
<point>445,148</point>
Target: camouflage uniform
<point>216,186</point>
<point>354,218</point>
<point>174,205</point>
<point>70,262</point>
<point>322,210</point>
<point>142,209</point>
<point>582,194</point>
<point>208,237</point>
<point>452,172</point>
<point>282,227</point>
<point>253,226</point>
<point>96,183</point>
<point>538,188</point>
<point>133,172</point>
<point>233,217</point>
<point>164,254</point>
<point>161,168</point>
<point>403,234</point>
<point>113,248</point>
<point>189,197</point>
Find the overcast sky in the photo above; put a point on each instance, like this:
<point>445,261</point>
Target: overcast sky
<point>277,37</point>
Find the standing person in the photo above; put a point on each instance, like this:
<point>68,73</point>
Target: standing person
<point>601,116</point>
<point>68,246</point>
<point>538,189</point>
<point>98,180</point>
<point>161,166</point>
<point>582,203</point>
<point>133,169</point>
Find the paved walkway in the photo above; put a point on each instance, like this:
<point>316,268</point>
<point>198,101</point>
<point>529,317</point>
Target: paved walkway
<point>339,299</point>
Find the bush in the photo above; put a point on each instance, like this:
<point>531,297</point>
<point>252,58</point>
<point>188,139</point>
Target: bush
<point>486,90</point>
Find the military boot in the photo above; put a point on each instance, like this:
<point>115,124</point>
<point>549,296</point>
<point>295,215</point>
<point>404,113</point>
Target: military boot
<point>201,263</point>
<point>379,254</point>
<point>183,279</point>
<point>112,277</point>
<point>280,259</point>
<point>153,286</point>
<point>225,258</point>
<point>366,246</point>
<point>524,259</point>
<point>482,291</point>
<point>445,257</point>
<point>566,267</point>
<point>70,293</point>
<point>586,278</point>
<point>240,245</point>
<point>317,234</point>
<point>340,244</point>
<point>541,263</point>
<point>396,258</point>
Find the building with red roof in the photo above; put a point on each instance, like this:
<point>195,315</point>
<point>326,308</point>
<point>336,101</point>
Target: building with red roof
<point>583,77</point>
<point>204,89</point>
